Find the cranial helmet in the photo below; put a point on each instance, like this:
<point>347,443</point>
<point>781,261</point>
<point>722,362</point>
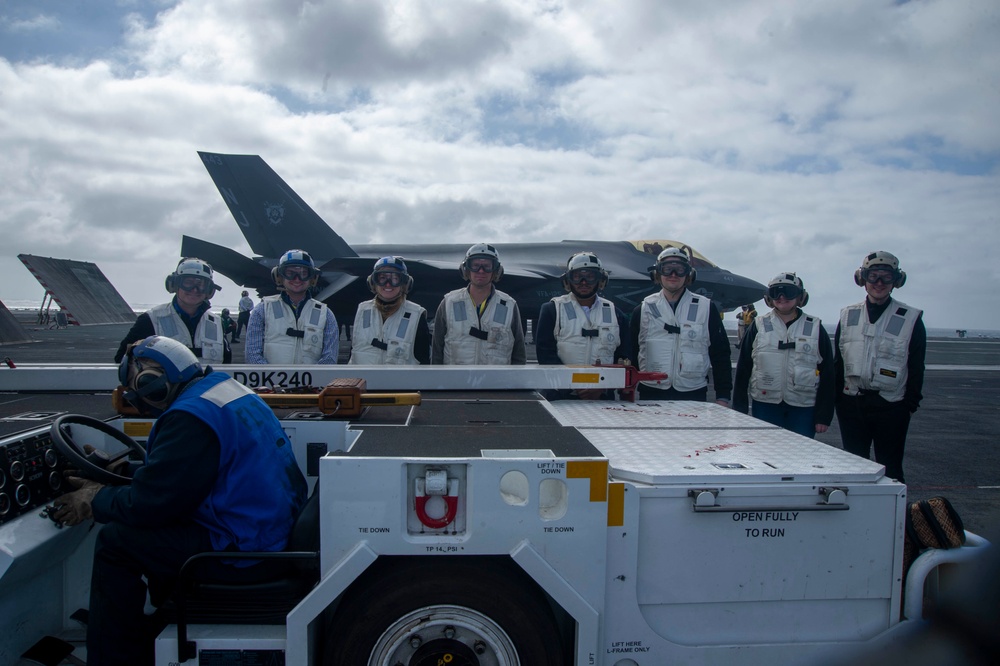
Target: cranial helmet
<point>582,260</point>
<point>192,267</point>
<point>482,250</point>
<point>295,258</point>
<point>672,254</point>
<point>882,260</point>
<point>391,264</point>
<point>783,282</point>
<point>159,368</point>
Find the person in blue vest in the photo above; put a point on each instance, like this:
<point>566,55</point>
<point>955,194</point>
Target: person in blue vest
<point>880,347</point>
<point>786,363</point>
<point>580,327</point>
<point>219,475</point>
<point>187,318</point>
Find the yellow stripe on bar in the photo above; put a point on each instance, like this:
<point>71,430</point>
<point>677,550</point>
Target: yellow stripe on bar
<point>596,471</point>
<point>586,378</point>
<point>616,504</point>
<point>137,428</point>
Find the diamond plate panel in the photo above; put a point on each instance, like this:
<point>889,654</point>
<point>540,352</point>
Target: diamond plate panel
<point>651,414</point>
<point>719,456</point>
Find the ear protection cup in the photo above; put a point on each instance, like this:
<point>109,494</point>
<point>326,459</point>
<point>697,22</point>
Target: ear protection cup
<point>170,284</point>
<point>900,281</point>
<point>151,384</point>
<point>804,299</point>
<point>859,278</point>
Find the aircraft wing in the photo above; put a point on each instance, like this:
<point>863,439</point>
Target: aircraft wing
<point>232,264</point>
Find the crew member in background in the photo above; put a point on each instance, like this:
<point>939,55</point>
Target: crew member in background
<point>291,328</point>
<point>479,324</point>
<point>743,321</point>
<point>580,327</point>
<point>228,325</point>
<point>880,349</point>
<point>243,318</point>
<point>787,363</point>
<point>390,329</point>
<point>186,318</point>
<point>680,333</point>
<point>219,475</point>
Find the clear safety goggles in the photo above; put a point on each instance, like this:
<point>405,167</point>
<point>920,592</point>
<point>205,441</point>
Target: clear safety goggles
<point>192,284</point>
<point>295,273</point>
<point>584,276</point>
<point>887,278</point>
<point>481,267</point>
<point>668,268</point>
<point>388,278</point>
<point>787,291</point>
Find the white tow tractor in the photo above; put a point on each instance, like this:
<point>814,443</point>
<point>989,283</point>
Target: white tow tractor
<point>488,526</point>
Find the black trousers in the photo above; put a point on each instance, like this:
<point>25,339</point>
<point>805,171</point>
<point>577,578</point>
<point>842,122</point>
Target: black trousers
<point>125,558</point>
<point>242,320</point>
<point>868,420</point>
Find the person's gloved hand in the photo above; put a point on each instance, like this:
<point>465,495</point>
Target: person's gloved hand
<point>73,508</point>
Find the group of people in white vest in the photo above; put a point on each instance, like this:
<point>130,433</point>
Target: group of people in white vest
<point>788,373</point>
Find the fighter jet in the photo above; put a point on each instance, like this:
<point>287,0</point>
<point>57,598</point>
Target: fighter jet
<point>273,218</point>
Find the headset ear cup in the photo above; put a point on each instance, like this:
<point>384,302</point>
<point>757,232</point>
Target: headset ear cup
<point>274,275</point>
<point>859,278</point>
<point>768,302</point>
<point>371,284</point>
<point>900,281</point>
<point>409,284</point>
<point>170,284</point>
<point>805,298</point>
<point>152,385</point>
<point>497,274</point>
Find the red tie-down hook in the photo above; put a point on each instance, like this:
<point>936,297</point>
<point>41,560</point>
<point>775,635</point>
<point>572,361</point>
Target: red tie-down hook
<point>436,484</point>
<point>632,378</point>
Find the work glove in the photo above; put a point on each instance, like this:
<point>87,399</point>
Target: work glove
<point>75,507</point>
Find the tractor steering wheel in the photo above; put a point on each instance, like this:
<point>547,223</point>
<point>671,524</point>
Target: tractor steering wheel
<point>91,465</point>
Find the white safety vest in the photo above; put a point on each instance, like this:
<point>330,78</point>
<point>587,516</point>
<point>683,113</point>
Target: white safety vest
<point>291,342</point>
<point>586,338</point>
<point>465,343</point>
<point>786,361</point>
<point>875,355</point>
<point>208,335</point>
<point>375,342</point>
<point>675,342</point>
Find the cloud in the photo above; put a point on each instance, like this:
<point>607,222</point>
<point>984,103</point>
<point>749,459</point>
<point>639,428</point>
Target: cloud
<point>770,136</point>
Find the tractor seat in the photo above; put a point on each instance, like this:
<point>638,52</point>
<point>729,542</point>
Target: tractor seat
<point>260,594</point>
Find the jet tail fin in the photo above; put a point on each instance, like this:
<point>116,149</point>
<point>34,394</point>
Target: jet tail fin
<point>272,217</point>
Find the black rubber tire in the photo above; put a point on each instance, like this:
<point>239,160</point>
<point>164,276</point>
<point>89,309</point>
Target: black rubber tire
<point>395,586</point>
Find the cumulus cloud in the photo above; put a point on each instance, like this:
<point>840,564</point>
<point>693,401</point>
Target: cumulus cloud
<point>771,136</point>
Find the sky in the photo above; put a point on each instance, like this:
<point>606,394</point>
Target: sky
<point>771,136</point>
